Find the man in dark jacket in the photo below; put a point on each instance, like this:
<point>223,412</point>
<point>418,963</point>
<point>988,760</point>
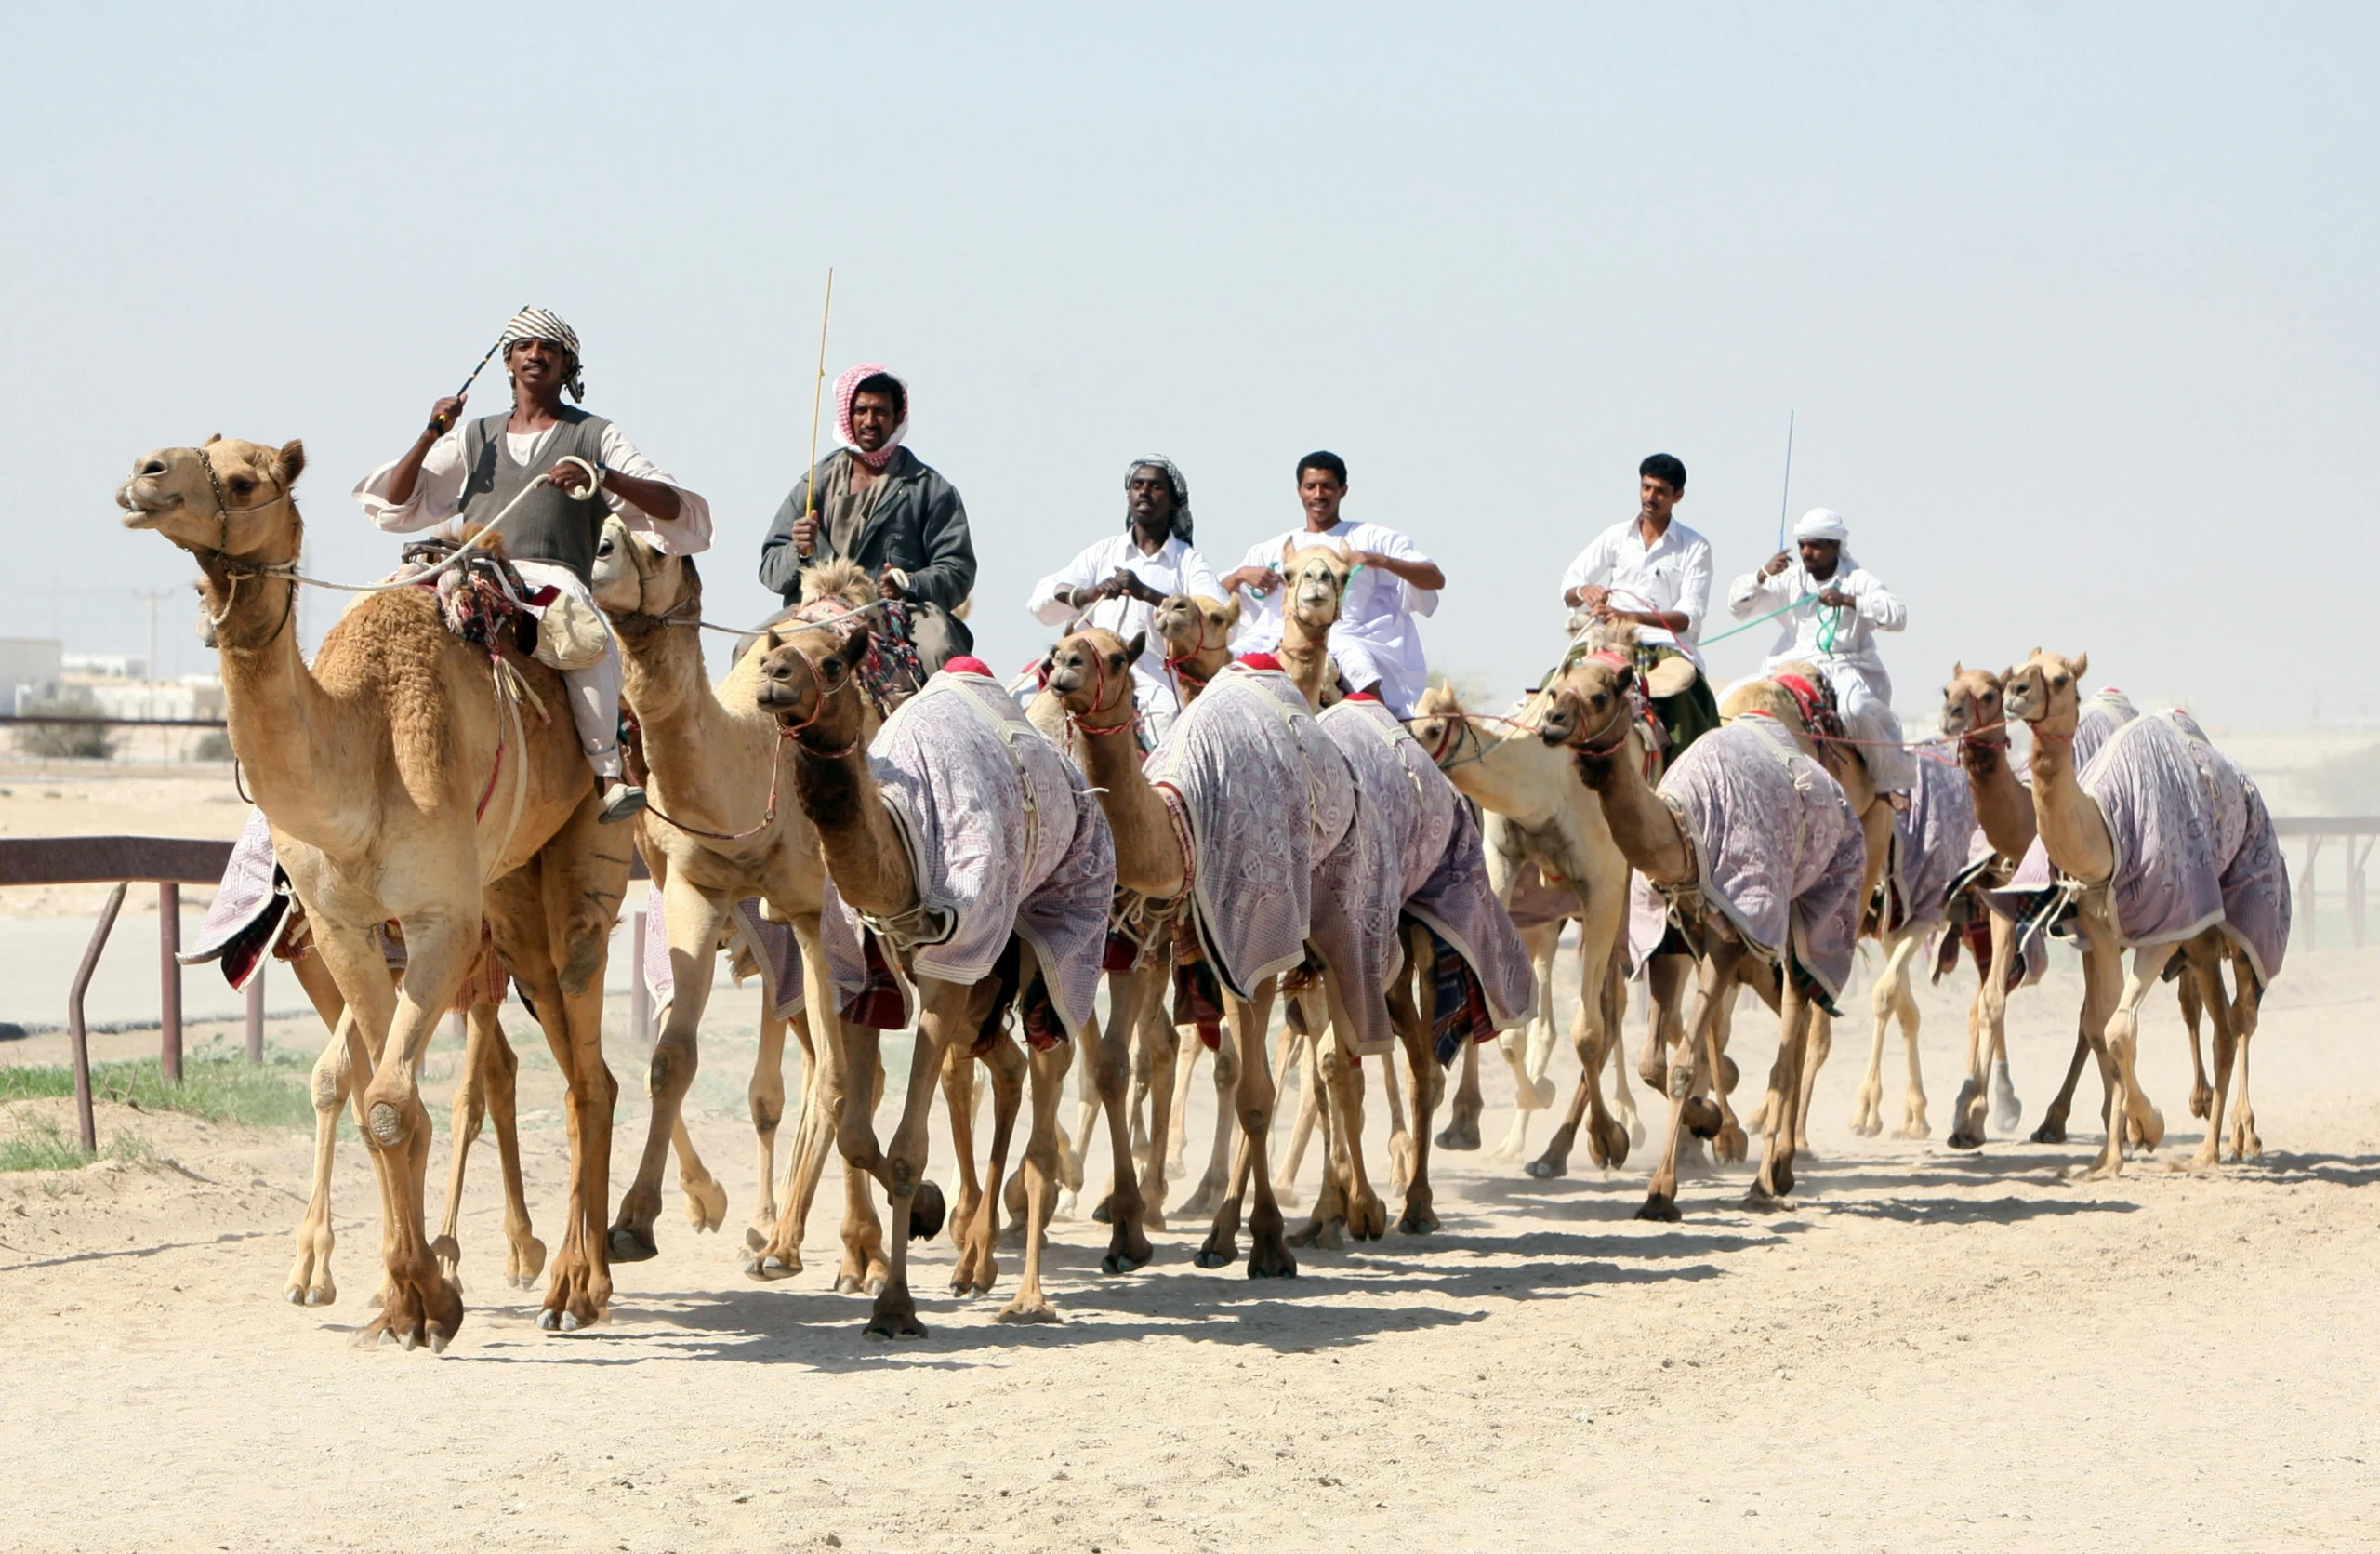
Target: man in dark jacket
<point>881,507</point>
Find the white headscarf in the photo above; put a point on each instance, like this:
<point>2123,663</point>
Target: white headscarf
<point>1822,523</point>
<point>539,324</point>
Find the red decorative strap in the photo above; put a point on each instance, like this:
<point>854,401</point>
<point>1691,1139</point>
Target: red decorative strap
<point>968,664</point>
<point>1258,660</point>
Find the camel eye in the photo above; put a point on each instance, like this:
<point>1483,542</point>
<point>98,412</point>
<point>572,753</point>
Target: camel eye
<point>242,485</point>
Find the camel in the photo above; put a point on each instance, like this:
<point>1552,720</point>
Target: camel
<point>1314,580</point>
<point>2172,787</point>
<point>717,833</point>
<point>1810,867</point>
<point>1541,815</point>
<point>1196,633</point>
<point>383,771</point>
<point>959,746</point>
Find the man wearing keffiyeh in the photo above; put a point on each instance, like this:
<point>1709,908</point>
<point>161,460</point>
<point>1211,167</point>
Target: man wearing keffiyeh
<point>880,506</point>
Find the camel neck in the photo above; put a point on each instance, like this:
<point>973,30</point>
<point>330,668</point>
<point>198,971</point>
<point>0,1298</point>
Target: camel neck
<point>2001,807</point>
<point>283,725</point>
<point>706,764</point>
<point>863,849</point>
<point>1305,654</point>
<point>1147,859</point>
<point>2072,830</point>
<point>1644,828</point>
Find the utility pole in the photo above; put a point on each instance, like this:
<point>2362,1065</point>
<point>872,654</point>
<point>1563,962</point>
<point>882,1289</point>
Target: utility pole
<point>154,595</point>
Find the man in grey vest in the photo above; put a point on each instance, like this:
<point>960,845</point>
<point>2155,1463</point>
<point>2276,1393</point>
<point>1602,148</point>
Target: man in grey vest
<point>883,507</point>
<point>470,471</point>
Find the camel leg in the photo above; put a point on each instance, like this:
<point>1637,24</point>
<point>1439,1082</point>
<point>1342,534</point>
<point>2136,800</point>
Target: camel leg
<point>959,1098</point>
<point>695,918</point>
<point>1185,1065</point>
<point>2131,1109</point>
<point>2188,993</point>
<point>2097,1001</point>
<point>1356,1205</point>
<point>1526,1048</point>
<point>915,1207</point>
<point>310,1281</point>
<point>764,1098</point>
<point>1295,1049</point>
<point>829,1088</point>
<point>525,1254</point>
<point>1603,923</point>
<point>2245,1144</point>
<point>482,1034</point>
<point>1717,981</point>
<point>1400,1137</point>
<point>1007,1062</point>
<point>1089,1109</point>
<point>1413,1006</point>
<point>1614,1018</point>
<point>1461,1131</point>
<point>1129,995</point>
<point>1817,1041</point>
<point>1269,1255</point>
<point>1162,1037</point>
<point>1776,1176</point>
<point>1988,1046</point>
<point>2203,979</point>
<point>1040,1169</point>
<point>1209,1190</point>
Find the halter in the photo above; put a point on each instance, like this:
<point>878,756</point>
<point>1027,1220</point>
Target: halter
<point>236,571</point>
<point>792,730</point>
<point>1099,700</point>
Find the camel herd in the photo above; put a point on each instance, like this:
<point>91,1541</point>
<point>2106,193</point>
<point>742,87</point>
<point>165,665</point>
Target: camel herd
<point>952,864</point>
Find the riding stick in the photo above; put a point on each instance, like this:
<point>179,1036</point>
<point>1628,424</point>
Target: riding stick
<point>817,394</point>
<point>1785,499</point>
<point>436,423</point>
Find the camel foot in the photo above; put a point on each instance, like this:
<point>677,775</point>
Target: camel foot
<point>894,1318</point>
<point>2245,1144</point>
<point>1367,1217</point>
<point>1269,1256</point>
<point>1963,1140</point>
<point>925,1211</point>
<point>1128,1251</point>
<point>1761,1201</point>
<point>423,1307</point>
<point>1653,1065</point>
<point>633,1244</point>
<point>1401,1158</point>
<point>2201,1099</point>
<point>755,1238</point>
<point>1020,1309</point>
<point>707,1204</point>
<point>574,1300</point>
<point>448,1254</point>
<point>1636,1129</point>
<point>1105,1212</point>
<point>2151,1129</point>
<point>769,1265</point>
<point>1555,1161</point>
<point>1326,1233</point>
<point>2006,1109</point>
<point>1419,1218</point>
<point>1607,1143</point>
<point>1731,1146</point>
<point>1914,1126</point>
<point>846,1282</point>
<point>1702,1116</point>
<point>310,1281</point>
<point>1729,1074</point>
<point>1221,1248</point>
<point>1659,1207</point>
<point>2052,1130</point>
<point>1461,1131</point>
<point>1206,1200</point>
<point>1865,1120</point>
<point>526,1263</point>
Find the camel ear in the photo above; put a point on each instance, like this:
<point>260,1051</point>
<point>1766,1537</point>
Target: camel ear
<point>1958,669</point>
<point>1346,552</point>
<point>854,646</point>
<point>292,462</point>
<point>212,440</point>
<point>1138,645</point>
<point>2081,662</point>
<point>771,641</point>
<point>1231,610</point>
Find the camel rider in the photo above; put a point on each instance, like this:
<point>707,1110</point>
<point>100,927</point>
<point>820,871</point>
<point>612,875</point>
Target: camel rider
<point>1116,584</point>
<point>1654,571</point>
<point>1375,644</point>
<point>883,508</point>
<point>1833,610</point>
<point>473,470</point>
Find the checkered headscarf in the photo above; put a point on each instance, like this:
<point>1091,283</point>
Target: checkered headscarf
<point>539,324</point>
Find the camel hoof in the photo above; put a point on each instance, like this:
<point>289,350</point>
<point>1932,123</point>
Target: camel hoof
<point>633,1244</point>
<point>925,1216</point>
<point>1728,1074</point>
<point>1760,1201</point>
<point>2201,1101</point>
<point>1127,1259</point>
<point>1962,1141</point>
<point>770,1267</point>
<point>1461,1133</point>
<point>1611,1141</point>
<point>1660,1207</point>
<point>755,1239</point>
<point>1547,1167</point>
<point>2051,1131</point>
<point>2152,1131</point>
<point>1914,1130</point>
<point>1105,1214</point>
<point>2006,1109</point>
<point>1017,1311</point>
<point>1277,1265</point>
<point>894,1321</point>
<point>1865,1127</point>
<point>1731,1146</point>
<point>707,1205</point>
<point>1418,1220</point>
<point>1702,1116</point>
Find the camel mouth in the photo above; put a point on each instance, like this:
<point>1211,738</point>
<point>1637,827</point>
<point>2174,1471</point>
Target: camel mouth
<point>144,506</point>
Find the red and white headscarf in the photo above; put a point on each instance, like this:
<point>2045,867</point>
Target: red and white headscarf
<point>848,385</point>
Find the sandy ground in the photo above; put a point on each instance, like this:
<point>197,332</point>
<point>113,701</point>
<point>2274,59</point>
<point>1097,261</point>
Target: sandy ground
<point>1927,1347</point>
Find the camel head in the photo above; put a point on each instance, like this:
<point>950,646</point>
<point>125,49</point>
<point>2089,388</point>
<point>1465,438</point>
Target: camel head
<point>638,585</point>
<point>2047,691</point>
<point>1971,707</point>
<point>1193,626</point>
<point>1440,724</point>
<point>1090,674</point>
<point>226,498</point>
<point>1588,708</point>
<point>1316,578</point>
<point>809,685</point>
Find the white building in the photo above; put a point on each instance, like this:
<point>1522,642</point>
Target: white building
<point>30,670</point>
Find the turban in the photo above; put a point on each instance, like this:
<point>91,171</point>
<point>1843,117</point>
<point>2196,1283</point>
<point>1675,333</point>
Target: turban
<point>539,323</point>
<point>1821,523</point>
<point>846,388</point>
<point>1173,478</point>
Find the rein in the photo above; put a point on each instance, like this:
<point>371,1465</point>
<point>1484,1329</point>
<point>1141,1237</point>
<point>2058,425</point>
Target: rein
<point>768,818</point>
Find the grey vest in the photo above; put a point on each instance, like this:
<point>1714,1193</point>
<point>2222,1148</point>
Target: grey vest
<point>549,525</point>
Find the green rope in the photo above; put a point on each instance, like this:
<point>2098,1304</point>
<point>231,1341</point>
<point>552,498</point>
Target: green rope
<point>1738,630</point>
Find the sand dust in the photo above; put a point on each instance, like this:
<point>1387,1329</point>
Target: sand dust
<point>1952,1350</point>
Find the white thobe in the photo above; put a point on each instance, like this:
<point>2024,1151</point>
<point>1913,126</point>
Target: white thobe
<point>437,498</point>
<point>1177,567</point>
<point>1376,638</point>
<point>1842,642</point>
<point>1673,573</point>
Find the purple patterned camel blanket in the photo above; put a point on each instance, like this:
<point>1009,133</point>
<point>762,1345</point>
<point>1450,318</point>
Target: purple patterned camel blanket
<point>1777,851</point>
<point>1006,839</point>
<point>2194,846</point>
<point>768,948</point>
<point>246,914</point>
<point>1439,864</point>
<point>1931,845</point>
<point>1254,775</point>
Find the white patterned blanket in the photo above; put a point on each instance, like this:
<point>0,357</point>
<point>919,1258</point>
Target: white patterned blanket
<point>1932,843</point>
<point>770,948</point>
<point>1005,837</point>
<point>1776,848</point>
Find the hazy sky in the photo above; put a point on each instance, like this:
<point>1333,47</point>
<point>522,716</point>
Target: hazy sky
<point>2075,304</point>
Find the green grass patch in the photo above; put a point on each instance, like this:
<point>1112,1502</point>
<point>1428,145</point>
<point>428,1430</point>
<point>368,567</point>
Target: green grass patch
<point>39,1144</point>
<point>220,1089</point>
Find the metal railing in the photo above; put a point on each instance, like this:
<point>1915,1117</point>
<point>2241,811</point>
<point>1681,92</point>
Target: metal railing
<point>2351,830</point>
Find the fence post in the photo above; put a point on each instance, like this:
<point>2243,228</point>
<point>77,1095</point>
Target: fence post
<point>77,1039</point>
<point>169,1022</point>
<point>256,1011</point>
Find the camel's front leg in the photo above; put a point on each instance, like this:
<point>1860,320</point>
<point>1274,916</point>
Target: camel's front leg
<point>915,1204</point>
<point>2245,1144</point>
<point>1889,996</point>
<point>1296,1049</point>
<point>2130,1110</point>
<point>1400,1137</point>
<point>1987,1047</point>
<point>1253,1106</point>
<point>1461,1131</point>
<point>2203,977</point>
<point>1161,1039</point>
<point>1529,1047</point>
<point>1040,1169</point>
<point>958,1100</point>
<point>487,1088</point>
<point>828,1082</point>
<point>1776,1177</point>
<point>1686,1110</point>
<point>1007,1062</point>
<point>1129,994</point>
<point>764,1098</point>
<point>2097,999</point>
<point>1228,1056</point>
<point>1817,1041</point>
<point>1178,1122</point>
<point>2187,994</point>
<point>695,917</point>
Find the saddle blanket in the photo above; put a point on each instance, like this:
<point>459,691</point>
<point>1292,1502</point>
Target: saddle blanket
<point>763,947</point>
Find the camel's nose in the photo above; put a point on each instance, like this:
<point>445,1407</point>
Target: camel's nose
<point>152,466</point>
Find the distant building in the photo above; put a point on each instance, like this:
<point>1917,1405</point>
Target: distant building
<point>192,698</point>
<point>105,666</point>
<point>31,668</point>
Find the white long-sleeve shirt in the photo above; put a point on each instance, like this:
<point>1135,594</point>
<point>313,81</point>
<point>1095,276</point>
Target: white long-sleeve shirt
<point>1376,617</point>
<point>1803,630</point>
<point>1673,573</point>
<point>1177,567</point>
<point>438,491</point>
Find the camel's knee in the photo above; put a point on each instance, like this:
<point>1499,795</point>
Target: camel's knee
<point>676,1057</point>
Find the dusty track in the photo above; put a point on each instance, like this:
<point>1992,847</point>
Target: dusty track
<point>1960,1350</point>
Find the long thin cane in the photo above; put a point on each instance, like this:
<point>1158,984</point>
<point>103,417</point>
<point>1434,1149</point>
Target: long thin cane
<point>437,424</point>
<point>1786,498</point>
<point>817,396</point>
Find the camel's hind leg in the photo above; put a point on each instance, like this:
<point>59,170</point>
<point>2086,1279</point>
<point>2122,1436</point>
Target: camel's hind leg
<point>1039,1170</point>
<point>1269,1254</point>
<point>489,1067</point>
<point>1461,1131</point>
<point>1228,1056</point>
<point>828,1086</point>
<point>764,1098</point>
<point>951,1016</point>
<point>1988,1046</point>
<point>2245,1144</point>
<point>1892,1000</point>
<point>1528,1048</point>
<point>978,1267</point>
<point>2203,976</point>
<point>1400,1137</point>
<point>310,1281</point>
<point>1608,1141</point>
<point>695,918</point>
<point>2188,993</point>
<point>960,1099</point>
<point>1162,1039</point>
<point>1129,995</point>
<point>1185,1065</point>
<point>1776,1176</point>
<point>1296,1049</point>
<point>1415,1016</point>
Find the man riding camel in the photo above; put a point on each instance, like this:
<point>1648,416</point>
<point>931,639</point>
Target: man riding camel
<point>1833,610</point>
<point>1654,571</point>
<point>884,508</point>
<point>1116,584</point>
<point>1375,644</point>
<point>473,471</point>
